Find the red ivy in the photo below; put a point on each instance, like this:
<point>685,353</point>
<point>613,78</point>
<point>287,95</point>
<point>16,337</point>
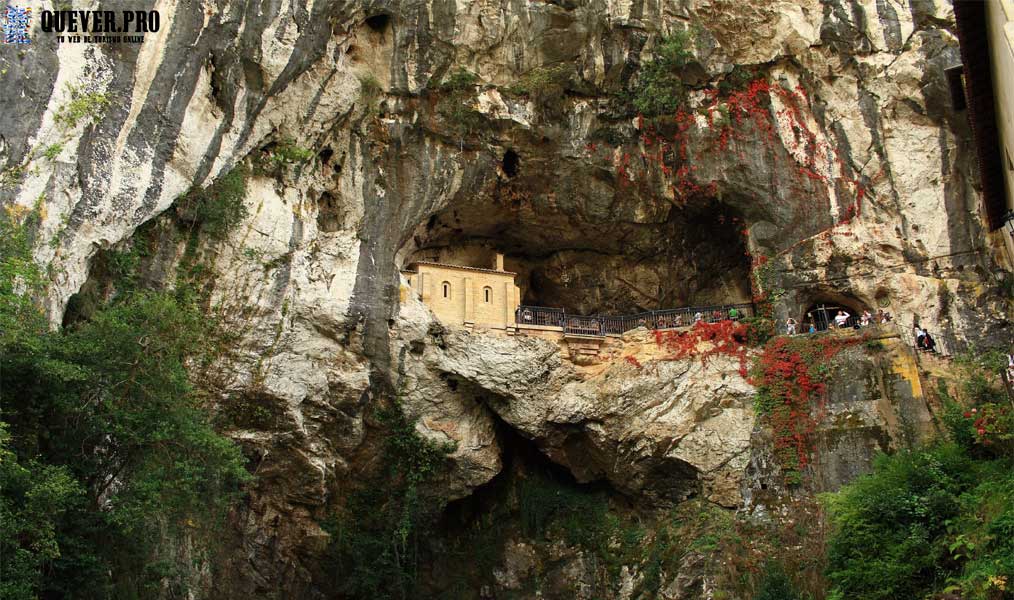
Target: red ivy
<point>792,393</point>
<point>725,337</point>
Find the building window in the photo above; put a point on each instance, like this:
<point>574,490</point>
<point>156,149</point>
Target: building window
<point>487,293</point>
<point>447,290</point>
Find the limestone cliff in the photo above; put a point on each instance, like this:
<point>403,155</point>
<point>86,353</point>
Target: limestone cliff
<point>815,149</point>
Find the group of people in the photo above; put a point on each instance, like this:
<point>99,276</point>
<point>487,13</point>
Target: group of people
<point>842,320</point>
<point>674,321</point>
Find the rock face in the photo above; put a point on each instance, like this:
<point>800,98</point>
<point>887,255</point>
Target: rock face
<point>846,167</point>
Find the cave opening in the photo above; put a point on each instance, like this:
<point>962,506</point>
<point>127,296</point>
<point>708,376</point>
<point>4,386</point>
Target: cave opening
<point>530,497</point>
<point>511,163</point>
<point>609,264</point>
<point>823,310</point>
<point>534,501</point>
<point>379,22</point>
<point>329,214</point>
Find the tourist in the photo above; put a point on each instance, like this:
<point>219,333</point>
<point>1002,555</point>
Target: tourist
<point>698,317</point>
<point>919,335</point>
<point>841,319</point>
<point>928,343</point>
<point>790,326</point>
<point>678,321</point>
<point>864,321</point>
<point>813,328</point>
<point>716,316</point>
<point>733,314</point>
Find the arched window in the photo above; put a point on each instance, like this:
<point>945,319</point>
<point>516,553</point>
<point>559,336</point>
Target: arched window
<point>487,294</point>
<point>447,289</point>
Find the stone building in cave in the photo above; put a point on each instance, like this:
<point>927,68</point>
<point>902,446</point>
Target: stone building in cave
<point>469,296</point>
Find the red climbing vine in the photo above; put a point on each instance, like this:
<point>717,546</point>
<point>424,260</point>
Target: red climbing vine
<point>706,340</point>
<point>790,376</point>
<point>727,123</point>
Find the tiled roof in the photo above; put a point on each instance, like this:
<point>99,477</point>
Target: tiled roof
<point>447,266</point>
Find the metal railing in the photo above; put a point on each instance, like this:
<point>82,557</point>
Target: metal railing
<point>618,324</point>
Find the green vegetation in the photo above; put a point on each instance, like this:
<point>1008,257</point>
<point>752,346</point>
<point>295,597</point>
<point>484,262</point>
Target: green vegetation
<point>83,106</point>
<point>13,175</point>
<point>52,151</point>
<point>377,537</point>
<point>457,104</point>
<point>106,453</point>
<point>369,91</point>
<point>543,81</point>
<point>460,115</point>
<point>461,80</point>
<point>218,208</point>
<point>659,89</point>
<point>288,152</point>
<point>939,519</point>
<point>776,585</point>
<point>736,80</point>
<point>758,330</point>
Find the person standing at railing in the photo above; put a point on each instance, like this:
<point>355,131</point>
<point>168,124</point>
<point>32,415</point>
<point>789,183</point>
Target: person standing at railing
<point>734,314</point>
<point>841,319</point>
<point>813,328</point>
<point>919,335</point>
<point>790,326</point>
<point>866,318</point>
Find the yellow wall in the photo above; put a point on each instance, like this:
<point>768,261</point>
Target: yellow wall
<point>466,302</point>
<point>1000,16</point>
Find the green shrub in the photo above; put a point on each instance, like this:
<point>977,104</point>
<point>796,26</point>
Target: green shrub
<point>460,115</point>
<point>658,89</point>
<point>922,522</point>
<point>218,208</point>
<point>758,330</point>
<point>52,151</point>
<point>376,537</point>
<point>111,452</point>
<point>83,106</point>
<point>288,152</point>
<point>35,498</point>
<point>775,584</point>
<point>461,80</point>
<point>369,89</point>
<point>543,81</point>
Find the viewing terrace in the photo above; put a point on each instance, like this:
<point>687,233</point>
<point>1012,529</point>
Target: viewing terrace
<point>557,319</point>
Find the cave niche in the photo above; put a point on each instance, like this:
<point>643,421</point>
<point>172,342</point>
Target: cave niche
<point>378,23</point>
<point>598,264</point>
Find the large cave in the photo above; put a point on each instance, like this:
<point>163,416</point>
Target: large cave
<point>587,263</point>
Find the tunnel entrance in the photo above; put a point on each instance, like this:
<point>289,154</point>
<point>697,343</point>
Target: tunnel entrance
<point>587,264</point>
<point>826,314</point>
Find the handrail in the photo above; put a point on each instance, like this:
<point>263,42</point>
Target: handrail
<point>618,324</point>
